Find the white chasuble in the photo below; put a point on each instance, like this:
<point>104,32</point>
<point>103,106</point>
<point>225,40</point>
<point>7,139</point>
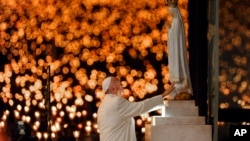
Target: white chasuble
<point>177,54</point>
<point>115,116</point>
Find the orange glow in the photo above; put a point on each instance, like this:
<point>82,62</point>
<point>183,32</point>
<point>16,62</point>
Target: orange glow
<point>82,42</point>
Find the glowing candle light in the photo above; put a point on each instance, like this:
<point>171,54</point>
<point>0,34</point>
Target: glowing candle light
<point>45,135</point>
<point>112,70</point>
<point>19,107</point>
<point>11,102</point>
<point>84,113</point>
<point>7,112</point>
<point>88,129</point>
<point>1,127</point>
<point>57,127</point>
<point>35,127</point>
<point>80,126</point>
<point>95,126</point>
<point>3,26</point>
<point>4,117</point>
<point>41,105</point>
<point>143,129</point>
<point>53,128</point>
<point>149,119</point>
<point>88,123</point>
<point>65,126</point>
<point>28,119</point>
<point>58,120</point>
<point>64,100</point>
<point>65,70</point>
<point>26,109</point>
<point>78,114</point>
<point>71,116</point>
<point>2,124</point>
<point>131,98</point>
<point>139,122</point>
<point>79,101</point>
<point>62,113</point>
<point>17,115</point>
<point>76,134</point>
<point>90,61</point>
<point>34,102</point>
<point>89,98</point>
<point>92,84</point>
<point>23,118</point>
<point>37,123</point>
<point>27,46</point>
<point>94,115</point>
<point>53,135</point>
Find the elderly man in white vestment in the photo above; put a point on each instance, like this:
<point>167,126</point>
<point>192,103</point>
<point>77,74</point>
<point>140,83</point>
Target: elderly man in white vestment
<point>115,116</point>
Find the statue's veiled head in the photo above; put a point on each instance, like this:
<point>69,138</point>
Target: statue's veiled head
<point>172,3</point>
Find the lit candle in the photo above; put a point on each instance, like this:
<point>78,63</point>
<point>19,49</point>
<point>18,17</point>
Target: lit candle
<point>17,115</point>
<point>4,117</point>
<point>39,135</point>
<point>88,129</point>
<point>76,134</point>
<point>1,126</point>
<point>45,135</point>
<point>37,114</point>
<point>53,136</point>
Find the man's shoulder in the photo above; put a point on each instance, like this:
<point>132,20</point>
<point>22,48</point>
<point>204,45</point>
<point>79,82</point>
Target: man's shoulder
<point>110,98</point>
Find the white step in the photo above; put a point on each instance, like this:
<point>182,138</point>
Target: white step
<point>180,108</point>
<point>179,103</point>
<point>181,111</point>
<point>159,120</point>
<point>180,121</point>
<point>178,133</point>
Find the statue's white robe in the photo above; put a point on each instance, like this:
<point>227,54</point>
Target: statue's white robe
<point>115,116</point>
<point>177,54</point>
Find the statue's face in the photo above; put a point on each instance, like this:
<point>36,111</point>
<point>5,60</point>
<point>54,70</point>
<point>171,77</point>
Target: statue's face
<point>172,3</point>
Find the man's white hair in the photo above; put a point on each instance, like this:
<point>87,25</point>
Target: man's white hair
<point>106,83</point>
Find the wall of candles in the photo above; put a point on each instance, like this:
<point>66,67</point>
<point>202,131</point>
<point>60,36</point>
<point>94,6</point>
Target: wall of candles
<point>82,41</point>
<point>234,54</point>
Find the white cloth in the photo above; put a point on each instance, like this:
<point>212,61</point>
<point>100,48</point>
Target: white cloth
<point>105,84</point>
<point>115,116</point>
<point>177,54</point>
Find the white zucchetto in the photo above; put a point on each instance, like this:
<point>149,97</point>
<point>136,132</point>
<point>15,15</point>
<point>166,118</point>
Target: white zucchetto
<point>106,83</point>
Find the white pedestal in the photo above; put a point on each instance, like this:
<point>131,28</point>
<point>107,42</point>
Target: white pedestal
<point>181,122</point>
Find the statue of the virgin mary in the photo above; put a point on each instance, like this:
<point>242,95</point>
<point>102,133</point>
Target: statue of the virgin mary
<point>177,53</point>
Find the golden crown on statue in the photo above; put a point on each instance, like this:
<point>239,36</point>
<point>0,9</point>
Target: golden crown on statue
<point>172,3</point>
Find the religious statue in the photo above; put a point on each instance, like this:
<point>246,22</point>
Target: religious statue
<point>177,54</point>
